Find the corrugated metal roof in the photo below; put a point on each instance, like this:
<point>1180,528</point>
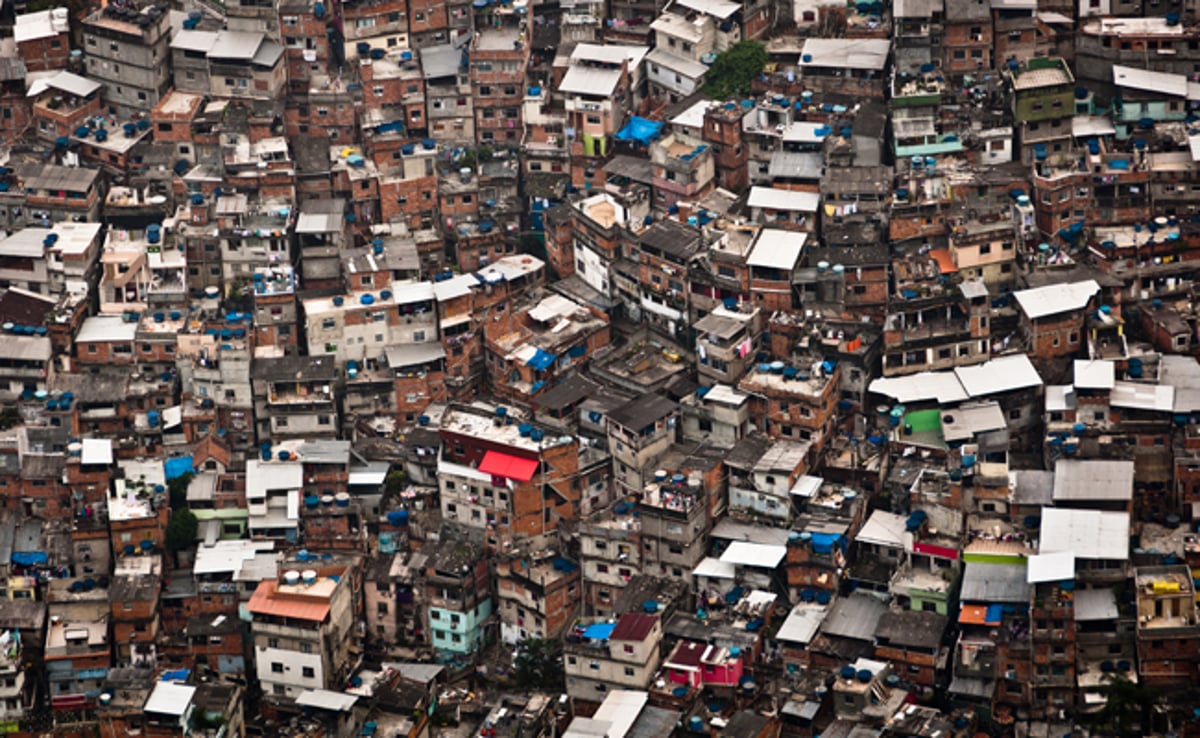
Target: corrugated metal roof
<point>1004,374</point>
<point>72,84</point>
<point>440,61</point>
<point>241,45</point>
<point>802,623</point>
<point>683,65</point>
<point>266,601</point>
<point>883,529</point>
<point>327,700</point>
<point>807,486</point>
<point>595,81</point>
<point>105,328</point>
<point>720,9</point>
<point>1050,567</point>
<point>1150,81</point>
<point>845,53</point>
<point>412,292</point>
<point>966,421</point>
<point>1095,374</point>
<point>777,249</point>
<point>854,617</point>
<point>1089,534</point>
<point>1095,604</point>
<point>414,353</point>
<point>790,200</point>
<point>42,24</point>
<point>201,41</point>
<point>1093,479</point>
<point>714,569</point>
<point>920,387</point>
<point>170,698</point>
<point>454,287</point>
<point>1060,397</point>
<point>994,583</point>
<point>97,451</point>
<point>757,555</point>
<point>1056,298</point>
<point>1138,396</point>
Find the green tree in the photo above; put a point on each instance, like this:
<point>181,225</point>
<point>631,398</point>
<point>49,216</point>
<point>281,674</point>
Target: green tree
<point>1128,707</point>
<point>732,71</point>
<point>395,483</point>
<point>539,664</point>
<point>181,531</point>
<point>177,488</point>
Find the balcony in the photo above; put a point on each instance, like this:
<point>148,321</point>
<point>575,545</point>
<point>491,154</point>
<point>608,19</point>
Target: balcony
<point>929,145</point>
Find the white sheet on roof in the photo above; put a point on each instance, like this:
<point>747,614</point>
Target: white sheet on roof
<point>403,293</point>
<point>802,623</point>
<point>97,451</point>
<point>1050,567</point>
<point>725,395</point>
<point>714,569</point>
<point>1094,374</point>
<point>169,698</point>
<point>1146,80</point>
<point>777,249</point>
<point>1056,298</point>
<point>807,486</point>
<point>1138,396</point>
<point>1004,374</point>
<point>1095,604</point>
<point>758,555</point>
<point>883,529</point>
<point>943,387</point>
<point>326,700</point>
<point>1089,534</point>
<point>454,287</point>
<point>790,200</point>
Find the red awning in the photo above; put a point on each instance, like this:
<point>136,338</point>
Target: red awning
<point>942,552</point>
<point>507,466</point>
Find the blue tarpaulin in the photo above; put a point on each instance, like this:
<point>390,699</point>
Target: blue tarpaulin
<point>824,542</point>
<point>995,613</point>
<point>599,631</point>
<point>29,558</point>
<point>177,467</point>
<point>541,360</point>
<point>639,129</point>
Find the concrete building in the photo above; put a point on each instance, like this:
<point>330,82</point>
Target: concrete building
<point>302,626</point>
<point>128,51</point>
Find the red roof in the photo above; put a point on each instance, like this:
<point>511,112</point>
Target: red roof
<point>687,655</point>
<point>267,601</point>
<point>508,466</point>
<point>633,626</point>
<point>944,260</point>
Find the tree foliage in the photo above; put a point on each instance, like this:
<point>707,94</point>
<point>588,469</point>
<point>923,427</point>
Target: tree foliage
<point>732,71</point>
<point>181,531</point>
<point>1128,706</point>
<point>177,487</point>
<point>539,664</point>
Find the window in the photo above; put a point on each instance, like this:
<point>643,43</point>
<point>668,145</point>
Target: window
<point>308,672</point>
<point>276,668</point>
